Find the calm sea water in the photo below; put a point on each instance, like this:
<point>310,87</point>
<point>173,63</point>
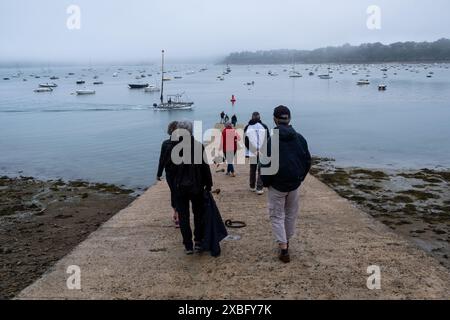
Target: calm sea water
<point>114,136</point>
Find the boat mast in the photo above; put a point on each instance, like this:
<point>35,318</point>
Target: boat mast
<point>162,77</point>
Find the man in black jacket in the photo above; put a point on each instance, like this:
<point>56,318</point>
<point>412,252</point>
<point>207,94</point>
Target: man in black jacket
<point>284,186</point>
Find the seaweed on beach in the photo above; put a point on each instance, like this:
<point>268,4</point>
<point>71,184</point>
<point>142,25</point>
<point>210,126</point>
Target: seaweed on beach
<point>420,195</point>
<point>416,206</point>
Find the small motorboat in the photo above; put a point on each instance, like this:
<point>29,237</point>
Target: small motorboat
<point>5,79</point>
<point>354,73</point>
<point>71,74</point>
<point>382,87</point>
<point>81,82</point>
<point>85,92</point>
<point>48,85</point>
<point>363,82</point>
<point>295,74</point>
<point>311,73</point>
<point>138,85</point>
<point>54,78</point>
<point>152,89</point>
<point>43,90</point>
<point>178,77</point>
<point>325,77</point>
<point>98,82</point>
<point>115,75</point>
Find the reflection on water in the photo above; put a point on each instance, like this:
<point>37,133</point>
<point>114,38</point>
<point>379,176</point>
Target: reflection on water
<point>114,135</point>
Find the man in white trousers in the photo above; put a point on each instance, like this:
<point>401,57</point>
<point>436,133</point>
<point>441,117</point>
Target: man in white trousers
<point>284,185</point>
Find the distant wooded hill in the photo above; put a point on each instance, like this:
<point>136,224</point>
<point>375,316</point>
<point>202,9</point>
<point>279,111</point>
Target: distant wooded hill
<point>365,53</point>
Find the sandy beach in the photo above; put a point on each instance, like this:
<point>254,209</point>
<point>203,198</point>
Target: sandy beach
<point>137,254</point>
<point>42,221</point>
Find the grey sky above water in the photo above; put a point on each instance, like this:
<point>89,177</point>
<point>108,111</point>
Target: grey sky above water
<point>136,30</point>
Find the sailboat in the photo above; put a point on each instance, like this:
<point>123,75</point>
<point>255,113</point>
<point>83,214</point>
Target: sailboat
<point>174,102</point>
<point>294,73</point>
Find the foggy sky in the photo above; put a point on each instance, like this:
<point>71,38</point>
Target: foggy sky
<point>136,30</point>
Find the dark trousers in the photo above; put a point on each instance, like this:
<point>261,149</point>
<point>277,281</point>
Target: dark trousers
<point>183,201</point>
<point>255,176</point>
<point>171,182</point>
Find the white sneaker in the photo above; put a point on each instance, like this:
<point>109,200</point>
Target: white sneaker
<point>260,192</point>
<point>253,189</point>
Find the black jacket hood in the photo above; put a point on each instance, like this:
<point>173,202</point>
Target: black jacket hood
<point>253,122</point>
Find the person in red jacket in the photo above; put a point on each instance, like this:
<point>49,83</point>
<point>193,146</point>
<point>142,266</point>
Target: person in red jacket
<point>230,140</point>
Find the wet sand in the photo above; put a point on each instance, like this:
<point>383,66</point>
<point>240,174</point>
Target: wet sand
<point>42,221</point>
<point>138,254</point>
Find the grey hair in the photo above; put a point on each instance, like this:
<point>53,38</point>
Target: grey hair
<point>172,127</point>
<point>186,125</point>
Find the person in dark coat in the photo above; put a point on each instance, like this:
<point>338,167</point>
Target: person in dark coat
<point>222,117</point>
<point>192,180</point>
<point>284,185</point>
<point>234,120</point>
<point>165,163</point>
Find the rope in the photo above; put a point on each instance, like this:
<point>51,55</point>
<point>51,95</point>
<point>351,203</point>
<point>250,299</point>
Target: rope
<point>235,224</point>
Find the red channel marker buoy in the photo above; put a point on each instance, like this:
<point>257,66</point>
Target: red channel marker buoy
<point>233,99</point>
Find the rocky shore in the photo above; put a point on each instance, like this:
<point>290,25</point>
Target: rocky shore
<point>42,221</point>
<point>415,203</point>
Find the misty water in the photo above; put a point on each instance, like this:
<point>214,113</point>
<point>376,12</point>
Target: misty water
<point>114,136</point>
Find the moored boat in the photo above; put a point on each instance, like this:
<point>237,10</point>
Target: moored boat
<point>138,85</point>
<point>363,82</point>
<point>152,89</point>
<point>43,90</point>
<point>48,85</point>
<point>85,92</point>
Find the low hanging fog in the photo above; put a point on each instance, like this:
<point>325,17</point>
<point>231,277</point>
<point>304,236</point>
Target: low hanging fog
<point>203,30</point>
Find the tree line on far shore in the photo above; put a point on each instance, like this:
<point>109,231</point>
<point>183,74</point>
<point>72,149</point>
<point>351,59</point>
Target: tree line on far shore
<point>364,53</point>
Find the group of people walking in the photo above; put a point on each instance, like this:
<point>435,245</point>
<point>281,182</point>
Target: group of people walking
<point>224,119</point>
<point>188,182</point>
